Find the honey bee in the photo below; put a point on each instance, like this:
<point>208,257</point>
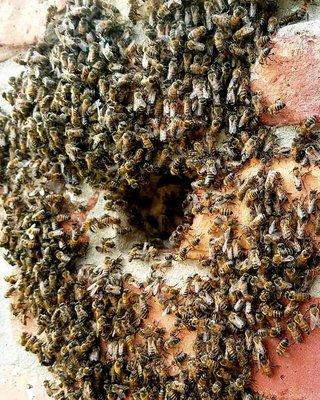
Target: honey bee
<point>173,90</point>
<point>276,107</point>
<point>257,221</point>
<point>219,41</point>
<point>197,33</point>
<point>307,125</point>
<point>282,346</point>
<point>183,252</point>
<point>62,257</point>
<point>299,319</point>
<point>230,349</point>
<point>243,33</point>
<point>303,257</point>
<point>171,342</point>
<point>297,296</point>
<point>265,365</point>
<point>139,104</point>
<point>195,46</point>
<point>216,387</point>
<point>297,15</point>
<point>272,24</point>
<point>177,166</point>
<point>264,55</point>
<point>294,331</point>
<point>262,41</point>
<point>180,358</point>
<point>298,183</point>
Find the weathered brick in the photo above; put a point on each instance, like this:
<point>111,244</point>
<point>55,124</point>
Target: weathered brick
<point>22,22</point>
<point>204,222</point>
<point>291,73</point>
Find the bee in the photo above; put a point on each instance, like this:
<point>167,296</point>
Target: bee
<point>307,125</point>
<point>297,178</point>
<point>171,342</point>
<point>180,358</point>
<point>216,387</point>
<point>297,296</point>
<point>230,349</point>
<point>299,319</point>
<point>236,320</point>
<point>264,55</point>
<point>219,41</point>
<point>282,346</point>
<point>173,90</point>
<point>146,142</point>
<point>198,69</point>
<point>243,33</point>
<point>272,24</point>
<point>295,16</point>
<point>183,252</point>
<point>300,211</point>
<point>177,166</point>
<point>221,20</point>
<point>303,257</point>
<point>55,234</point>
<point>265,365</point>
<point>262,41</point>
<point>134,13</point>
<point>257,221</point>
<point>195,46</point>
<point>312,206</point>
<point>139,104</point>
<point>237,50</point>
<point>294,331</point>
<point>62,257</point>
<point>143,306</point>
<point>197,33</point>
<point>276,107</point>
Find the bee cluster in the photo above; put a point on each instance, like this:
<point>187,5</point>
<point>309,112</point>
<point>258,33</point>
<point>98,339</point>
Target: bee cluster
<point>94,104</point>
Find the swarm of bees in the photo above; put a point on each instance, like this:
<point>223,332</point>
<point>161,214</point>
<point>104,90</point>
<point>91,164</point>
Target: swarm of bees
<point>95,104</point>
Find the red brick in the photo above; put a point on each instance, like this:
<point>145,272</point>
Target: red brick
<point>296,374</point>
<point>292,74</point>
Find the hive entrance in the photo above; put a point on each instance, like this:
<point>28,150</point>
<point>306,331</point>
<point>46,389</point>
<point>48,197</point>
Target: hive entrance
<point>158,208</point>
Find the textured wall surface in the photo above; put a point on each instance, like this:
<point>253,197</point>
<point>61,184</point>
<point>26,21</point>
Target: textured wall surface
<point>292,73</point>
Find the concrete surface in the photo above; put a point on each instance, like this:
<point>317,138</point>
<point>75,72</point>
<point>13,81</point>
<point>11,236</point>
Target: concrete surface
<point>295,376</point>
<point>21,376</point>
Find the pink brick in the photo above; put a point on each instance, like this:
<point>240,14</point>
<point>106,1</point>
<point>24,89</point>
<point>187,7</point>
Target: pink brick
<point>292,74</point>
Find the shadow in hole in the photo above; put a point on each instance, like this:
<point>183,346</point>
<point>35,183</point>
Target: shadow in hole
<point>157,209</point>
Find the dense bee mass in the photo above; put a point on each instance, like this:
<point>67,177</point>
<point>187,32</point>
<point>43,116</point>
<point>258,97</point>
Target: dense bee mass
<point>164,125</point>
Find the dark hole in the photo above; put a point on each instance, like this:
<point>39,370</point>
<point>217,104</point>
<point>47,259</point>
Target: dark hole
<point>157,209</point>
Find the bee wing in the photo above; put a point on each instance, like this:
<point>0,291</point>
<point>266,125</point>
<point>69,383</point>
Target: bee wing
<point>207,298</point>
<point>314,321</point>
<point>236,320</point>
<point>93,289</point>
<point>120,348</point>
<point>166,311</point>
<point>163,135</point>
<point>249,340</point>
<point>138,103</point>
